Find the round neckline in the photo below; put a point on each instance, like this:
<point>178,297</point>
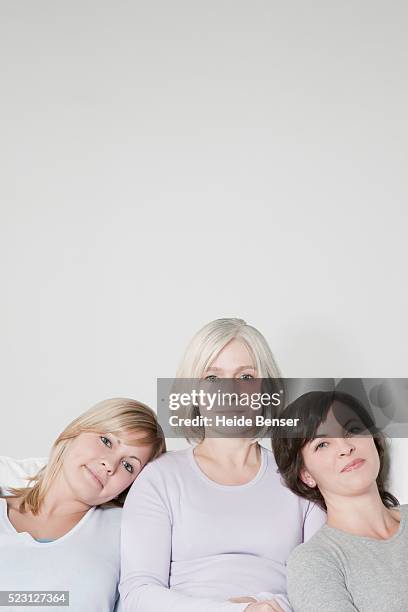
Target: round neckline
<point>28,536</point>
<point>403,510</point>
<point>213,483</point>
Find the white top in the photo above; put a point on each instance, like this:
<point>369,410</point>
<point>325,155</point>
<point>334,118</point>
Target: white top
<point>85,561</point>
<point>189,544</point>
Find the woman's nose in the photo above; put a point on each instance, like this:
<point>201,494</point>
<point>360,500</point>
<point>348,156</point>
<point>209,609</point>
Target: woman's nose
<point>109,465</point>
<point>346,447</point>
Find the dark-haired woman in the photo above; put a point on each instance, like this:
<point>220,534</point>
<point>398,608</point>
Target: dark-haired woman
<point>359,559</point>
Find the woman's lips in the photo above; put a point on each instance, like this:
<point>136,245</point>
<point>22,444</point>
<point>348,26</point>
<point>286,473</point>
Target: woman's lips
<point>353,465</point>
<point>94,476</point>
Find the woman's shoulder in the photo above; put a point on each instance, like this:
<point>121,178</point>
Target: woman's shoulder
<point>403,508</point>
<point>403,530</point>
<point>316,551</point>
<point>165,471</point>
<point>167,462</point>
<point>327,544</point>
<point>160,479</point>
<point>109,514</point>
<point>103,520</point>
<point>106,518</point>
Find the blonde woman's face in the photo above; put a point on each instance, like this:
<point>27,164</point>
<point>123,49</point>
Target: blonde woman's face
<point>98,467</point>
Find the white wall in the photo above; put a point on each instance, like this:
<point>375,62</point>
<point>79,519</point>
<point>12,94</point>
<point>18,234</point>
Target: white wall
<point>166,163</point>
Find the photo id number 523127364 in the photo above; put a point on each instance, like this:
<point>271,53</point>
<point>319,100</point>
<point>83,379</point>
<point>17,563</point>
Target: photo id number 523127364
<point>34,598</point>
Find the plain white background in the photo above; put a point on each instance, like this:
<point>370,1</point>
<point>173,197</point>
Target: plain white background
<point>167,163</point>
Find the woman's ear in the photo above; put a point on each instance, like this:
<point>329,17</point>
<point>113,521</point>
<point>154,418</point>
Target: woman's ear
<point>307,478</point>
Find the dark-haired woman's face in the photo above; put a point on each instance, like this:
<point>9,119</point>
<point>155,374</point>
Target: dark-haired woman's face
<point>342,460</point>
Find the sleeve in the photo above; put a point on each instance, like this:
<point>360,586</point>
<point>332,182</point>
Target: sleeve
<point>316,582</point>
<point>146,554</point>
<point>314,519</point>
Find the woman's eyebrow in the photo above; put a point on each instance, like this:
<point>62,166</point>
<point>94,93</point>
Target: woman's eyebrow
<point>130,456</point>
<point>318,435</point>
<point>352,420</point>
<point>245,367</point>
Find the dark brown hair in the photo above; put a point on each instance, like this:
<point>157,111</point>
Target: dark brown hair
<point>311,409</point>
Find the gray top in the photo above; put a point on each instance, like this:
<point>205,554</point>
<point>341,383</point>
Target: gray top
<point>339,572</point>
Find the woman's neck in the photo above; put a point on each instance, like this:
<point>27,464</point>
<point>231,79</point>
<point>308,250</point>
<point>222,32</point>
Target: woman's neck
<point>236,452</point>
<point>363,515</point>
<point>60,502</point>
<point>229,462</point>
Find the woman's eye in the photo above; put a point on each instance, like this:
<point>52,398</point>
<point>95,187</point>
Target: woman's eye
<point>211,378</point>
<point>128,466</point>
<point>246,377</point>
<point>321,445</point>
<point>106,441</point>
<point>354,430</point>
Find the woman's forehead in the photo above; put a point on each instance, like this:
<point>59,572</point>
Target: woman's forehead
<point>339,417</point>
<point>131,437</point>
<point>236,352</point>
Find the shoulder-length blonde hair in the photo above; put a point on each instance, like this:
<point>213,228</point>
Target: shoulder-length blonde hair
<point>118,416</point>
<point>204,348</point>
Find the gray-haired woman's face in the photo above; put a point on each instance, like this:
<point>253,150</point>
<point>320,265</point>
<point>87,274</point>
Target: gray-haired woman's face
<point>232,372</point>
<point>98,467</point>
<point>233,361</point>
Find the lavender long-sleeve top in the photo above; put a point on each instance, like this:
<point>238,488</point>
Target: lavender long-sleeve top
<point>189,544</point>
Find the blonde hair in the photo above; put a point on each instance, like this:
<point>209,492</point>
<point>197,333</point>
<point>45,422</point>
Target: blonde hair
<point>204,347</point>
<point>211,339</point>
<point>117,416</point>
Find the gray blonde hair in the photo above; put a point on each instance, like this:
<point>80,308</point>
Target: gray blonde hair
<point>204,347</point>
<point>211,339</point>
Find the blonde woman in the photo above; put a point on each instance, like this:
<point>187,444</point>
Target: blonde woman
<point>209,529</point>
<point>62,533</point>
